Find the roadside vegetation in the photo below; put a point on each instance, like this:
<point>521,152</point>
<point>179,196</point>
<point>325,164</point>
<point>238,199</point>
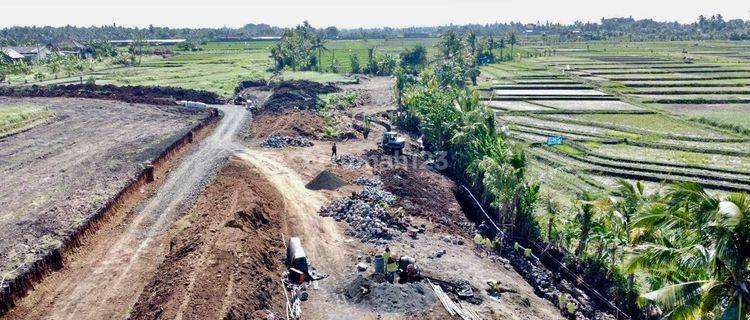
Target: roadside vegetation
<point>18,116</point>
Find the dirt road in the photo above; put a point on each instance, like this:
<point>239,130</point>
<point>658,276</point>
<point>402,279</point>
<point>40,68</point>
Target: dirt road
<point>58,175</point>
<point>223,265</point>
<point>104,283</point>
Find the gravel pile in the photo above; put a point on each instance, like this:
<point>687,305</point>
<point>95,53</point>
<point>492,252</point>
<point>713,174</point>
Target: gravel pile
<point>350,161</point>
<point>373,191</point>
<point>375,293</point>
<point>286,141</point>
<point>368,221</point>
<point>325,180</point>
<point>378,195</point>
<point>364,181</point>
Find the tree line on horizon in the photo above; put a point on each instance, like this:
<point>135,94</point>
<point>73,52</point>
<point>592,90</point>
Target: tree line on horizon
<point>714,27</point>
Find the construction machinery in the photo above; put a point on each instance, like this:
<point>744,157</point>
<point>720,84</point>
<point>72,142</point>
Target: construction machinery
<point>392,142</point>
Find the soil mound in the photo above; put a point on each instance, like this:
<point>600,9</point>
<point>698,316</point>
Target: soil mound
<point>376,294</point>
<point>288,122</point>
<point>297,94</point>
<point>426,194</point>
<point>325,180</point>
<point>222,265</point>
<point>132,94</point>
<point>245,84</point>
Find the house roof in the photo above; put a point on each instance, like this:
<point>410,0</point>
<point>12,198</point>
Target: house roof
<point>27,50</point>
<point>13,54</point>
<point>68,44</point>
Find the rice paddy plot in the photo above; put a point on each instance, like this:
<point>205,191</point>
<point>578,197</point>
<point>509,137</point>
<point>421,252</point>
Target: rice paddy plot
<point>665,71</point>
<point>547,81</point>
<point>730,148</point>
<point>534,122</point>
<point>691,90</point>
<point>515,106</point>
<point>723,114</point>
<point>635,67</point>
<point>542,87</point>
<point>657,124</point>
<point>675,156</point>
<point>548,92</point>
<point>675,77</point>
<point>683,84</point>
<point>590,105</point>
<point>695,99</point>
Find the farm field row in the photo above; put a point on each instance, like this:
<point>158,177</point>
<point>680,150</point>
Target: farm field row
<point>219,66</point>
<point>708,88</point>
<point>625,138</point>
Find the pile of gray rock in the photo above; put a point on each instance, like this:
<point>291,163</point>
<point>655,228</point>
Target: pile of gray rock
<point>378,195</point>
<point>373,191</point>
<point>350,161</point>
<point>369,182</point>
<point>368,221</point>
<point>278,141</point>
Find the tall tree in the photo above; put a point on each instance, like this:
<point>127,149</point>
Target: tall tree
<point>586,207</point>
<point>512,42</point>
<point>318,44</point>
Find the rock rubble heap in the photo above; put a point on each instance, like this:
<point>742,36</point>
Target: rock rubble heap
<point>277,141</point>
<point>350,161</point>
<point>368,221</point>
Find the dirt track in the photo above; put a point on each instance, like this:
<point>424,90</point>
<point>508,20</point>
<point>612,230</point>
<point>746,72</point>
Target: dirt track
<point>57,176</point>
<point>105,282</point>
<point>222,264</point>
<point>222,257</point>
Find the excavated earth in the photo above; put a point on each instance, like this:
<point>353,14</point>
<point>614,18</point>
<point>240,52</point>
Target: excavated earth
<point>60,175</point>
<point>224,253</point>
<point>287,122</point>
<point>427,194</point>
<point>132,94</point>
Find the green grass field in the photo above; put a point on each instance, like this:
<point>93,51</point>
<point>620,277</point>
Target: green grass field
<point>219,66</point>
<point>16,116</point>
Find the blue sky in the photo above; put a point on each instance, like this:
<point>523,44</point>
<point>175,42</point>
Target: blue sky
<point>352,13</point>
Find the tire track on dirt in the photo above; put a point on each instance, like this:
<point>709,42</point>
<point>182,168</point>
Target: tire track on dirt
<point>112,281</point>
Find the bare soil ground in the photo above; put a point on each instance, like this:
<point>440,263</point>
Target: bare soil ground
<point>429,195</point>
<point>60,173</point>
<point>223,262</point>
<point>222,259</point>
<point>333,253</point>
<point>107,276</point>
<point>288,122</point>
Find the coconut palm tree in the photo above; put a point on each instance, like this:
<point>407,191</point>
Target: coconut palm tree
<point>701,248</point>
<point>586,204</point>
<point>502,47</point>
<point>319,46</point>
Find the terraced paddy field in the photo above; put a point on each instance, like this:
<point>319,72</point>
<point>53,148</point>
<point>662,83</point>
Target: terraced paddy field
<point>645,129</point>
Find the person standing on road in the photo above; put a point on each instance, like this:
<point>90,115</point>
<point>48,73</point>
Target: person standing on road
<point>333,151</point>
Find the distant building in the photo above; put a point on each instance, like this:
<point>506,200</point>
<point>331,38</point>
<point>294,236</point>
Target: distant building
<point>28,53</point>
<point>151,42</point>
<point>8,54</point>
<point>265,38</point>
<point>530,28</point>
<point>72,47</point>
